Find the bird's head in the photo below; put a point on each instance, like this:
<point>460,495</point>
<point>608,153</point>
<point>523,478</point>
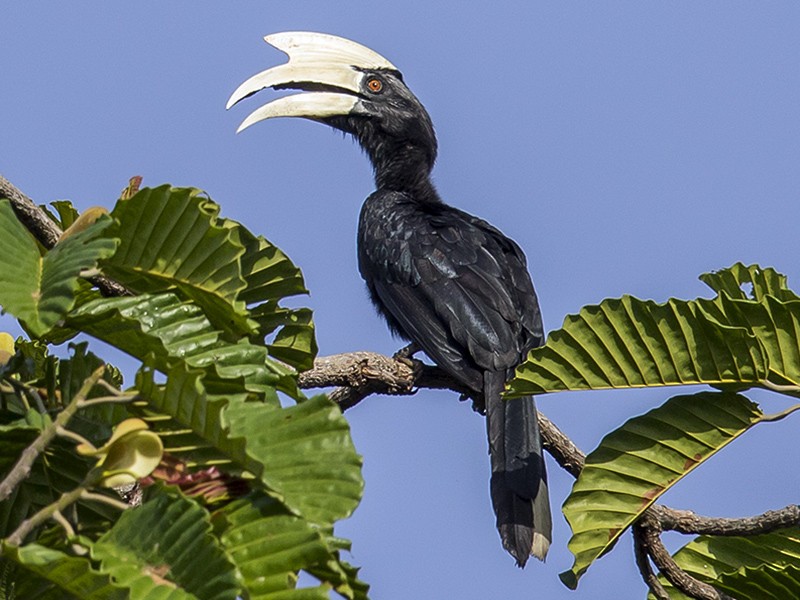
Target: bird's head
<point>352,88</point>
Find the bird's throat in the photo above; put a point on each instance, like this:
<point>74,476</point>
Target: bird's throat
<point>406,169</point>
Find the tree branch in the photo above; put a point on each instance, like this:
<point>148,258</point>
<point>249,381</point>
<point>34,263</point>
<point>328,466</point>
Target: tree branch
<point>650,532</point>
<point>30,215</point>
<point>643,562</point>
<point>686,521</point>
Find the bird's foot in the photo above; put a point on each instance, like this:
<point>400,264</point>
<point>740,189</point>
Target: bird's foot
<point>406,352</point>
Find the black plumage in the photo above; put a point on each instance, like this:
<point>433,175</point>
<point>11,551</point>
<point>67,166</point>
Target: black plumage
<point>449,282</point>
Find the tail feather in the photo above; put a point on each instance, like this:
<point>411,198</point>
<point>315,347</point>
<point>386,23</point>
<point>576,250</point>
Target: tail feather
<point>519,480</point>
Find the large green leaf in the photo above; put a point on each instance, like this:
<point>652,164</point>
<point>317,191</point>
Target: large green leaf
<point>270,276</point>
<point>306,453</point>
<point>270,546</point>
<point>40,290</point>
<point>60,576</point>
<point>760,567</point>
<point>627,342</point>
<point>173,331</point>
<point>165,549</point>
<point>189,420</point>
<point>170,237</point>
<point>303,454</point>
<point>636,463</point>
<point>739,339</point>
<point>267,271</point>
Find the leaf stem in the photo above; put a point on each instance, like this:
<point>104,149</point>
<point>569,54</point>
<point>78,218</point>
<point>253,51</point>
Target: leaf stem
<point>780,415</point>
<point>65,524</point>
<point>783,389</point>
<point>71,435</point>
<point>103,499</point>
<point>120,399</point>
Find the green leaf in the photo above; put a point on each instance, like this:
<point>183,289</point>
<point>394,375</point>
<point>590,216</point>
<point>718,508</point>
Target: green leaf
<point>759,567</point>
<point>303,454</point>
<point>294,343</point>
<point>40,290</point>
<point>194,431</point>
<point>306,453</point>
<point>66,212</point>
<point>775,324</point>
<point>267,271</point>
<point>271,276</point>
<point>170,237</point>
<point>60,575</point>
<point>269,546</point>
<point>165,549</point>
<point>174,331</point>
<point>627,342</point>
<point>635,464</point>
<point>763,282</point>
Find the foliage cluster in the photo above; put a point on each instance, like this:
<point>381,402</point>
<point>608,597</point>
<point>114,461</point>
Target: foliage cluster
<point>254,474</point>
<point>746,336</point>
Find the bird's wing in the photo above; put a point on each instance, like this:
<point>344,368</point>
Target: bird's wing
<point>461,290</point>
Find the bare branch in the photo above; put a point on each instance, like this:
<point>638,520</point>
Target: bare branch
<point>643,562</point>
<point>685,521</point>
<point>650,541</point>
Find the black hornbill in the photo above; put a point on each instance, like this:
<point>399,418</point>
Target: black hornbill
<point>447,281</point>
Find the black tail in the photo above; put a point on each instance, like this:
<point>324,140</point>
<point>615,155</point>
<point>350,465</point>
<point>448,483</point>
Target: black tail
<point>519,481</point>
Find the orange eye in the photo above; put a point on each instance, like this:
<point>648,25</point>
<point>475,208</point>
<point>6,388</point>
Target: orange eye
<point>375,85</point>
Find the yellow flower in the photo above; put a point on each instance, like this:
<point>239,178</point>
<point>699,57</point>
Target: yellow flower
<point>132,452</point>
<point>7,348</point>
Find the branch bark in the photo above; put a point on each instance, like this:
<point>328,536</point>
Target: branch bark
<point>642,557</point>
<point>649,532</point>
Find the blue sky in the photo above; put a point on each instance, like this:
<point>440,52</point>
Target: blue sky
<point>626,146</point>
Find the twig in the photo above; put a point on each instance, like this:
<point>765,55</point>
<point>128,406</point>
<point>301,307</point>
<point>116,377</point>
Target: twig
<point>121,398</point>
<point>23,467</point>
<point>65,524</point>
<point>103,499</point>
<point>28,525</point>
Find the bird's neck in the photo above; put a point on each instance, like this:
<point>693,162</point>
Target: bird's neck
<point>405,169</point>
